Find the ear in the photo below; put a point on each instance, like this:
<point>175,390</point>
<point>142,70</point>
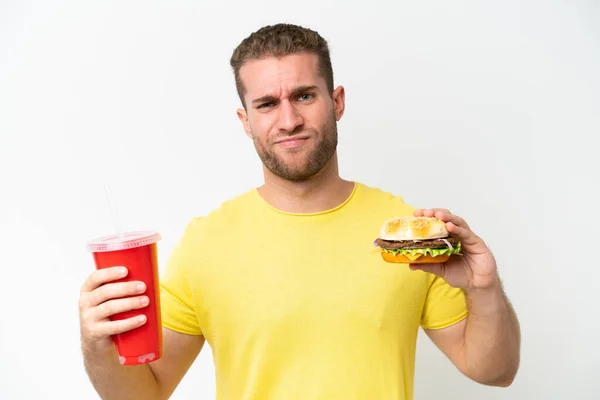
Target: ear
<point>243,117</point>
<point>339,102</point>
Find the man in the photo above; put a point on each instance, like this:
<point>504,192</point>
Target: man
<point>283,282</point>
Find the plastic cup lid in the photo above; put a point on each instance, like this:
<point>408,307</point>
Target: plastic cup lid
<point>129,241</point>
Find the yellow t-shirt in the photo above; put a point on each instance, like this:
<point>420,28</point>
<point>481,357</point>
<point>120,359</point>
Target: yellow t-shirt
<point>302,306</point>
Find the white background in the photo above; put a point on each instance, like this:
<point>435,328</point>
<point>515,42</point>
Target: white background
<point>489,109</point>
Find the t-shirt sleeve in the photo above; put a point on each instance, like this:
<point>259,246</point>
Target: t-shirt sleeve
<point>444,305</point>
<point>176,295</point>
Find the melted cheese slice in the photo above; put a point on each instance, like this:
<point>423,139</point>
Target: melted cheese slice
<point>411,257</point>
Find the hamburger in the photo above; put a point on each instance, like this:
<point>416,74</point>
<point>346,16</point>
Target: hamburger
<point>416,240</point>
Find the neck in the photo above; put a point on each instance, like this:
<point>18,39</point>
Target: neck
<point>323,191</point>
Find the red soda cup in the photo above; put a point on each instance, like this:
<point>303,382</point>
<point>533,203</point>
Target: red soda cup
<point>137,251</point>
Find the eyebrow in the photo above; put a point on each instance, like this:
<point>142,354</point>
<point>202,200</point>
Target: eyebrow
<point>269,98</point>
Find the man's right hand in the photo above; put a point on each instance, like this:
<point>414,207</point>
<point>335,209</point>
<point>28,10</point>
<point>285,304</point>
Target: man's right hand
<point>104,294</point>
<point>100,298</point>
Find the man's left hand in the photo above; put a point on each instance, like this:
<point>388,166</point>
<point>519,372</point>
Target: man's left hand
<point>475,268</point>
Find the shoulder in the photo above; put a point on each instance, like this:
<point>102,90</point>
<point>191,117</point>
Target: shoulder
<point>384,200</point>
<point>221,218</point>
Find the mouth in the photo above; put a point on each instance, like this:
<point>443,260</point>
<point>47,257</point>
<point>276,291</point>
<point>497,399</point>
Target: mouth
<point>292,142</point>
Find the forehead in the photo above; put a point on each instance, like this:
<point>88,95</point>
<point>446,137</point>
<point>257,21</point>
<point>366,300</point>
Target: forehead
<point>274,74</point>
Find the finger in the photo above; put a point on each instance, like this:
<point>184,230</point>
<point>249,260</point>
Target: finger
<point>102,276</point>
<point>429,212</point>
<point>109,328</point>
<point>442,214</point>
<point>465,235</point>
<point>113,291</point>
<point>112,307</point>
<point>447,216</point>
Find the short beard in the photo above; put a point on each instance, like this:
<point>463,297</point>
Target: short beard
<point>315,161</point>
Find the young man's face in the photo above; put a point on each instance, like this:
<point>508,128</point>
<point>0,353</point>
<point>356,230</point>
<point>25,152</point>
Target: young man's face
<point>290,115</point>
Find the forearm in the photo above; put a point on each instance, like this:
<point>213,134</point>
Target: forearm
<point>115,381</point>
<point>492,337</point>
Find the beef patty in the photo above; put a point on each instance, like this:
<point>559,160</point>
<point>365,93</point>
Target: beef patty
<point>411,244</point>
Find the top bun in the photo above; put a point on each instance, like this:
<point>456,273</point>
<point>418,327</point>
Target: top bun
<point>413,228</point>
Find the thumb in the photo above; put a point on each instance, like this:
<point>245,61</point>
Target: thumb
<point>436,269</point>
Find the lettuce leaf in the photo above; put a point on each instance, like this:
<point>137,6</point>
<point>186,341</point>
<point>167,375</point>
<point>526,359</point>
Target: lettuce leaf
<point>431,252</point>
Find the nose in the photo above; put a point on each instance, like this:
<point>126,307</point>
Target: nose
<point>289,117</point>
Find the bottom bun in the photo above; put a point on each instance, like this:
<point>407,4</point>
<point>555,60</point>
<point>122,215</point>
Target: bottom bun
<point>420,259</point>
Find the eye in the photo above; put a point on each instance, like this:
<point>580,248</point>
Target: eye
<point>305,97</point>
<point>265,105</point>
